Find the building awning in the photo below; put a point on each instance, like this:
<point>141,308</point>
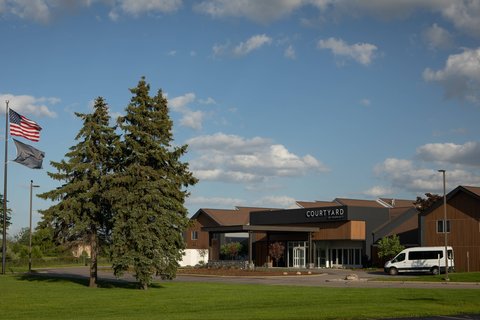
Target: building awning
<point>246,228</point>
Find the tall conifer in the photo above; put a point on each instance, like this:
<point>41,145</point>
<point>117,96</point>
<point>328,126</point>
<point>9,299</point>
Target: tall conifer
<point>149,190</point>
<point>82,213</point>
<point>7,218</point>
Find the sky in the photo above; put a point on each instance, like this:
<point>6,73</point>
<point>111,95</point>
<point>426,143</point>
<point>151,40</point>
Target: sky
<point>278,100</point>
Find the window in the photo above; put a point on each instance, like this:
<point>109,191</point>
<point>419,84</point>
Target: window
<point>425,255</point>
<point>194,235</point>
<point>440,226</point>
<point>399,258</point>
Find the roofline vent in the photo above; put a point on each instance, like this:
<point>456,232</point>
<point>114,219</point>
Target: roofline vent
<point>386,204</point>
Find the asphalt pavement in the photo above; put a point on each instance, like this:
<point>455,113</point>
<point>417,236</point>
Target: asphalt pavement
<point>327,278</point>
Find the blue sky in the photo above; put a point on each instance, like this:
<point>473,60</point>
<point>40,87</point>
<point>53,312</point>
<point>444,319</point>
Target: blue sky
<point>278,100</point>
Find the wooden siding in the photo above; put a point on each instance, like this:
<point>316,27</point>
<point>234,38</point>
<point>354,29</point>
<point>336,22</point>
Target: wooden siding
<point>202,241</point>
<point>350,230</point>
<point>463,212</point>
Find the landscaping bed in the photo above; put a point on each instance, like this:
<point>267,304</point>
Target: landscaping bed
<point>235,272</point>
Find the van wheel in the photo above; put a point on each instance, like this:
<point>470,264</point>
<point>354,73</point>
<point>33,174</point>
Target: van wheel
<point>435,271</point>
<point>393,271</point>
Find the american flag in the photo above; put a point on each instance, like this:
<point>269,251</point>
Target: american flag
<point>23,127</point>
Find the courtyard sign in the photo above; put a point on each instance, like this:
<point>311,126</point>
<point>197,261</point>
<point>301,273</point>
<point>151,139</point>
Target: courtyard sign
<point>337,213</point>
<point>298,216</point>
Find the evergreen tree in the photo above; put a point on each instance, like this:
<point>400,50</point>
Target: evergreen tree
<point>82,213</point>
<point>149,191</point>
<point>7,218</point>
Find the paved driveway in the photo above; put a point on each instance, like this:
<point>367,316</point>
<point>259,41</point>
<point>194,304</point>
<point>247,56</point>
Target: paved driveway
<point>329,278</point>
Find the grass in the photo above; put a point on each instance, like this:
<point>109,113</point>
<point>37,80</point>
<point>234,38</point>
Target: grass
<point>454,277</point>
<point>21,265</point>
<point>43,297</point>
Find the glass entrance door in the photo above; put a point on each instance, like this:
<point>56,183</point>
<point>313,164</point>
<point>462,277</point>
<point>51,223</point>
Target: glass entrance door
<point>321,255</point>
<point>299,257</point>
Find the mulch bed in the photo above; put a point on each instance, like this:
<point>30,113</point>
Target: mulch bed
<point>241,272</point>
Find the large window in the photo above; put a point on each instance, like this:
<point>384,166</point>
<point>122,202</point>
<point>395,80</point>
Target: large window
<point>345,257</point>
<point>425,255</point>
<point>441,226</point>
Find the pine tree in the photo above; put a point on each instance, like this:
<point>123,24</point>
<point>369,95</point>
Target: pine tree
<point>8,217</point>
<point>149,191</point>
<point>82,213</point>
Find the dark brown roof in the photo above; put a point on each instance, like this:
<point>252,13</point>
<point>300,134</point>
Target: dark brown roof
<point>359,203</point>
<point>233,217</point>
<point>395,212</point>
<point>474,190</point>
<point>398,203</point>
<point>317,204</point>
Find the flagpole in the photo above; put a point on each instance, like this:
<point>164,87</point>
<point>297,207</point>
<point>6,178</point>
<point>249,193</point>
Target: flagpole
<point>4,242</point>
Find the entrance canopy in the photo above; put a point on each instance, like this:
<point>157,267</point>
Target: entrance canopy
<point>246,228</point>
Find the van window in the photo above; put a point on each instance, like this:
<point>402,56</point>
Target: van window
<point>450,254</point>
<point>399,258</point>
<point>424,255</point>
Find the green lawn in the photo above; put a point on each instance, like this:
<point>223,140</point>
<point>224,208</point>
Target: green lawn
<point>454,277</point>
<point>40,297</point>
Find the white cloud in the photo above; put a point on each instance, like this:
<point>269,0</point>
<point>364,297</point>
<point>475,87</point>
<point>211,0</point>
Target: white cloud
<point>290,53</point>
<point>190,118</point>
<point>260,11</point>
<point>460,77</point>
<point>213,202</point>
<point>465,15</point>
<point>40,10</point>
<point>253,43</point>
<point>363,53</point>
<point>220,49</point>
<point>209,100</point>
<point>463,154</point>
<point>365,102</point>
<point>193,119</point>
<point>437,37</point>
<point>243,48</point>
<point>378,191</point>
<point>236,159</point>
<point>138,7</point>
<point>284,202</point>
<point>404,174</point>
<point>421,177</point>
<point>180,103</point>
<point>29,105</point>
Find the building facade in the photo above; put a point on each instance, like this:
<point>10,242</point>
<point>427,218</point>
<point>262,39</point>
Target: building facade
<point>319,234</point>
<point>462,226</point>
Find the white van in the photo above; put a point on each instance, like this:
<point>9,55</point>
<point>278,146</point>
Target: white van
<point>420,259</point>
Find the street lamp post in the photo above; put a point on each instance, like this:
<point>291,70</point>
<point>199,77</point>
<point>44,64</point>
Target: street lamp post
<point>30,233</point>
<point>445,224</point>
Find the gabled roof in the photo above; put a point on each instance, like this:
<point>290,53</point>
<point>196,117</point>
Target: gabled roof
<point>317,204</point>
<point>359,203</point>
<point>470,190</point>
<point>398,217</point>
<point>475,191</point>
<point>398,203</point>
<point>233,217</point>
